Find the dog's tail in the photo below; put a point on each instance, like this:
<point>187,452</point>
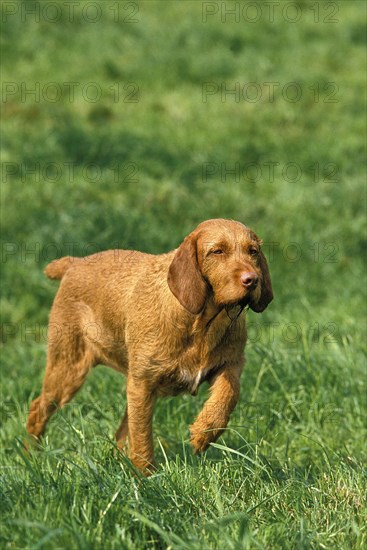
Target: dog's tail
<point>58,268</point>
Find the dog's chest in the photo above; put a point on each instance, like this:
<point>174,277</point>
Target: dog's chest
<point>193,382</point>
<point>184,380</point>
<point>204,351</point>
<point>191,368</point>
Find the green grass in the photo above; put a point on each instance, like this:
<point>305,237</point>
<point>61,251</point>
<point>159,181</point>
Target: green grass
<point>290,472</point>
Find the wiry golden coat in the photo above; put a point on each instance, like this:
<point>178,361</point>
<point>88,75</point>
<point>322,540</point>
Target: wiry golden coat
<point>167,322</point>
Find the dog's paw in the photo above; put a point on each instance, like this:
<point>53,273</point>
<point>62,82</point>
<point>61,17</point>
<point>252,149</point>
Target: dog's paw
<point>143,467</point>
<point>200,442</point>
<point>201,437</point>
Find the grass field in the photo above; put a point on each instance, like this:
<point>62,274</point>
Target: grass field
<point>125,124</point>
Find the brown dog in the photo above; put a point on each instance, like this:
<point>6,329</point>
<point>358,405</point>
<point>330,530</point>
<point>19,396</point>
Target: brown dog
<point>168,322</point>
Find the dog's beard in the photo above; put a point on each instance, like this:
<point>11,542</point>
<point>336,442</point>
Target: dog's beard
<point>242,302</point>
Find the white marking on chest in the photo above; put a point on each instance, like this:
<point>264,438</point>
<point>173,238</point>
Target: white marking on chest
<point>192,383</point>
<point>198,379</point>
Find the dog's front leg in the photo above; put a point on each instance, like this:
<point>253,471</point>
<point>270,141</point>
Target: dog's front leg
<point>140,404</point>
<point>214,417</point>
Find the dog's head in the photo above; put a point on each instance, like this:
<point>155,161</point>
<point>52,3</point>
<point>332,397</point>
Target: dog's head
<point>222,258</point>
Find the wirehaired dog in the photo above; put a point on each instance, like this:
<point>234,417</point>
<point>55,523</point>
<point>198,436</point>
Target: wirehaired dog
<point>168,322</point>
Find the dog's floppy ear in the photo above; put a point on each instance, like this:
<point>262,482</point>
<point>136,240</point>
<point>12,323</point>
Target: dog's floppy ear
<point>266,288</point>
<point>184,277</point>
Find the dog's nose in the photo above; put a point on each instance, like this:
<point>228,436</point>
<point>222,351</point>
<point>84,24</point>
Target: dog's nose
<point>249,279</point>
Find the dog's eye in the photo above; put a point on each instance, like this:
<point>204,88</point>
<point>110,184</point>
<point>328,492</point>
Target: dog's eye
<point>219,251</point>
<point>254,251</point>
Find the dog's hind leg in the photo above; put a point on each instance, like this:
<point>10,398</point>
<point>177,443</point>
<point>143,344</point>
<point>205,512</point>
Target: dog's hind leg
<point>68,364</point>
